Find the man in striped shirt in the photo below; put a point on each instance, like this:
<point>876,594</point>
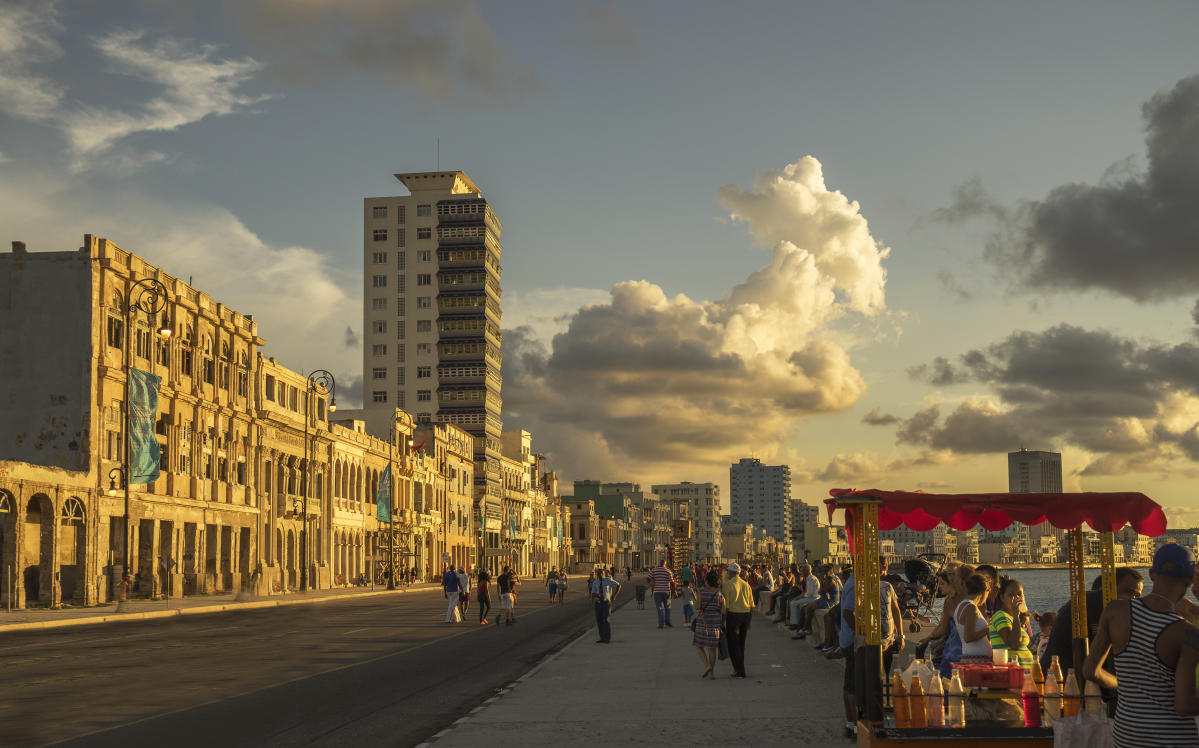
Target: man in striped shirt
<point>661,581</point>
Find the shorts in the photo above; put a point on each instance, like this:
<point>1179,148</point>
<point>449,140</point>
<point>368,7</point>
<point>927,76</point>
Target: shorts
<point>847,684</point>
<point>688,609</point>
<point>553,589</point>
<point>506,601</point>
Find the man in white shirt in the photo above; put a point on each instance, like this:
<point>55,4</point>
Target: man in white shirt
<point>603,592</point>
<point>811,593</point>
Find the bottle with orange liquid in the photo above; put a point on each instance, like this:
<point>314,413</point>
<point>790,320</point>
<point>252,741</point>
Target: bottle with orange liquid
<point>1055,667</point>
<point>917,707</point>
<point>1071,704</point>
<point>900,701</point>
<point>1038,677</point>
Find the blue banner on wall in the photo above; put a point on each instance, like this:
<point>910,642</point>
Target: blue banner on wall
<point>383,497</point>
<point>511,523</point>
<point>144,452</point>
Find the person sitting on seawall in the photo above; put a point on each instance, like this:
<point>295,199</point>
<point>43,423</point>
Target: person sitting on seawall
<point>1009,624</point>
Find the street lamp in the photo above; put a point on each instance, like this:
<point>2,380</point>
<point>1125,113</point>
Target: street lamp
<point>391,516</point>
<point>320,382</point>
<point>148,295</point>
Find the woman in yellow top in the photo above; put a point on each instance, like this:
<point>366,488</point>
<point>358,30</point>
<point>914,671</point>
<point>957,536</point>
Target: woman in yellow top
<point>1009,624</point>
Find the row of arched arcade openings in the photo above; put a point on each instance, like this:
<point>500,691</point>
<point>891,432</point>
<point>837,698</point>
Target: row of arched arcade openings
<point>43,551</point>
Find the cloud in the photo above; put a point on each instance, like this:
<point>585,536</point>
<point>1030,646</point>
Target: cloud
<point>853,470</point>
<point>548,311</point>
<point>1131,406</point>
<point>1133,234</point>
<point>877,417</point>
<point>194,84</point>
<point>27,31</point>
<point>437,47</point>
<point>607,28</point>
<point>351,339</point>
<point>650,382</point>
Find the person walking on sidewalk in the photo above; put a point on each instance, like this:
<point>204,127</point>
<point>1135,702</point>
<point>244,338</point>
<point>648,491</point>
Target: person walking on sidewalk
<point>453,586</point>
<point>707,624</point>
<point>739,604</point>
<point>484,596</point>
<point>661,581</point>
<point>603,592</point>
<point>508,583</point>
<point>464,592</point>
<point>562,587</point>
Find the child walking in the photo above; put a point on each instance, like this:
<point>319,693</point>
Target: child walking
<point>689,599</point>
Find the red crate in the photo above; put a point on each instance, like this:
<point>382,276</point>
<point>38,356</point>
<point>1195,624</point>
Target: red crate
<point>1008,677</point>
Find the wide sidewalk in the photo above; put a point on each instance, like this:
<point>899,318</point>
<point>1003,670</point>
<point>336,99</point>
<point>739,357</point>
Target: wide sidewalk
<point>141,609</point>
<point>644,688</point>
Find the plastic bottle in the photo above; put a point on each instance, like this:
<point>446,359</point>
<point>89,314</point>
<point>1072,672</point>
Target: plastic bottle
<point>1038,677</point>
<point>1031,701</point>
<point>915,669</point>
<point>957,702</point>
<point>900,701</point>
<point>935,702</point>
<point>916,699</point>
<point>1092,700</point>
<point>1071,705</point>
<point>1053,699</point>
<point>1055,667</point>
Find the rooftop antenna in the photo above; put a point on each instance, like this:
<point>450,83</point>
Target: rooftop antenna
<point>439,154</point>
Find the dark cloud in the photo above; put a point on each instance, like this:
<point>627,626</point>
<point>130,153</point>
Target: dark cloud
<point>351,339</point>
<point>609,29</point>
<point>953,285</point>
<point>438,47</point>
<point>1133,234</point>
<point>1122,400</point>
<point>349,391</point>
<point>877,417</point>
<point>940,373</point>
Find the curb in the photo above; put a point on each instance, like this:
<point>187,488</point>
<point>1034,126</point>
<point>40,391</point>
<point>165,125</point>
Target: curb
<point>196,610</point>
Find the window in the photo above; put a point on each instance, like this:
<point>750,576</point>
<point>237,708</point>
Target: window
<point>424,302</point>
<point>400,327</point>
<point>164,352</point>
<point>116,332</point>
<point>400,374</point>
<point>424,349</point>
<point>379,281</point>
<point>243,382</point>
<point>185,463</point>
<point>400,400</point>
<point>379,235</point>
<point>141,339</point>
<point>207,369</point>
<point>113,446</point>
<point>401,307</point>
<point>241,472</point>
<point>379,325</point>
<point>379,211</point>
<point>401,237</point>
<point>401,260</point>
<point>379,258</point>
<point>424,396</point>
<point>424,279</point>
<point>424,233</point>
<point>379,350</point>
<point>378,304</point>
<point>270,387</point>
<point>424,210</point>
<point>424,372</point>
<point>379,373</point>
<point>401,280</point>
<point>401,213</point>
<point>379,396</point>
<point>208,466</point>
<point>400,352</point>
<point>424,255</point>
<point>424,325</point>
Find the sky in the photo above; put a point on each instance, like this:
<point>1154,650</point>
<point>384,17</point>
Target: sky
<point>884,243</point>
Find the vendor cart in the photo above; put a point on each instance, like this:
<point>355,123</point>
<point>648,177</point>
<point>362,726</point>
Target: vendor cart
<point>867,512</point>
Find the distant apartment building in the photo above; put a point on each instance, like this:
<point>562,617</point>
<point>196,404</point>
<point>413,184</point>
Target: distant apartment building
<point>701,503</point>
<point>801,514</point>
<point>1031,471</point>
<point>431,320</point>
<point>760,495</point>
<point>910,543</point>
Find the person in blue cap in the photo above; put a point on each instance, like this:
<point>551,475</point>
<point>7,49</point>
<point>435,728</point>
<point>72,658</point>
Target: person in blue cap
<point>1148,643</point>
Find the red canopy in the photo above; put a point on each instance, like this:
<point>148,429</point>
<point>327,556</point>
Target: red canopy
<point>995,511</point>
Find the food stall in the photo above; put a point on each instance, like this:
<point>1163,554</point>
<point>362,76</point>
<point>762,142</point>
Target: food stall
<point>867,512</point>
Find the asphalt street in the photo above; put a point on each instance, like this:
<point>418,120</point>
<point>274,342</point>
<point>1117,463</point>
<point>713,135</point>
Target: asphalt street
<point>375,671</point>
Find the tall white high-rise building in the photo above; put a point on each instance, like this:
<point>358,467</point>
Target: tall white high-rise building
<point>1030,471</point>
<point>761,495</point>
<point>431,317</point>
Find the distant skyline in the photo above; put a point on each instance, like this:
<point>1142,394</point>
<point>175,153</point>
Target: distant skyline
<point>882,244</point>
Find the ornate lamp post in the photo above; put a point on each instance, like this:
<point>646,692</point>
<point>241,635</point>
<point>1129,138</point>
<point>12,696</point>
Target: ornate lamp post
<point>148,295</point>
<point>320,383</point>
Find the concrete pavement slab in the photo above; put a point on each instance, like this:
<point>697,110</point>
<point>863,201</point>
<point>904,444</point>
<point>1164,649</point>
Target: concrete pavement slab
<point>645,688</point>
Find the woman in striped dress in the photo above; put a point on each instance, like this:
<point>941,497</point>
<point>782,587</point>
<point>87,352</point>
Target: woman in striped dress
<point>707,623</point>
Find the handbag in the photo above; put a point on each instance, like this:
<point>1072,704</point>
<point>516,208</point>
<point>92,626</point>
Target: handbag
<point>723,644</point>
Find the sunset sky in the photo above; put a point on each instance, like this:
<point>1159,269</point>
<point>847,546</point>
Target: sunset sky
<point>885,243</point>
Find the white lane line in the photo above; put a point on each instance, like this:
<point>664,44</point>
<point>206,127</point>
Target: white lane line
<point>355,631</point>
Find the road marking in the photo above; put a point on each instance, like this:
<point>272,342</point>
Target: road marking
<point>355,631</point>
<point>116,638</point>
<point>252,691</point>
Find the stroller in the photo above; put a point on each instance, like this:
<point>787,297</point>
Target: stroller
<point>640,591</point>
<point>918,592</point>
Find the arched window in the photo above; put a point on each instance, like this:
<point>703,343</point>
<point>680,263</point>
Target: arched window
<point>72,512</point>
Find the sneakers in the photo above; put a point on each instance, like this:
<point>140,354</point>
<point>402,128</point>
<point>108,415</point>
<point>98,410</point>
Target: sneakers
<point>483,622</point>
<point>668,623</point>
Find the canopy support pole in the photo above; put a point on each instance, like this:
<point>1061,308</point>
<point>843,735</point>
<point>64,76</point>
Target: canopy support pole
<point>868,661</point>
<point>1107,564</point>
<point>1078,600</point>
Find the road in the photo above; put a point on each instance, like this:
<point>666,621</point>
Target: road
<point>375,671</point>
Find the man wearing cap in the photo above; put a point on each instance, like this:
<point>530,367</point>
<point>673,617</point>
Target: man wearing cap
<point>603,591</point>
<point>739,601</point>
<point>1148,645</point>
